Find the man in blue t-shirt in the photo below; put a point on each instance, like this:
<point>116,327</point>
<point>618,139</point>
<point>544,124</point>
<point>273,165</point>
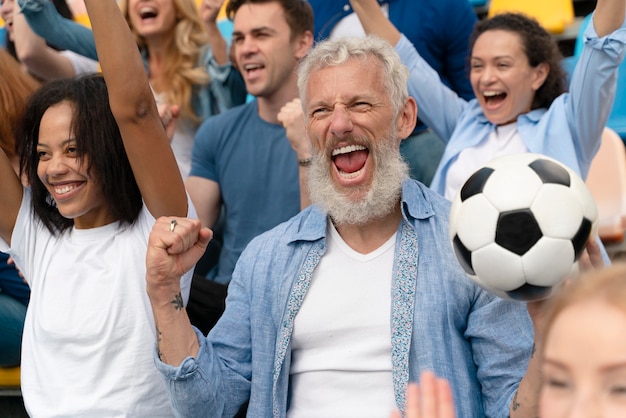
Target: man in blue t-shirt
<point>242,162</point>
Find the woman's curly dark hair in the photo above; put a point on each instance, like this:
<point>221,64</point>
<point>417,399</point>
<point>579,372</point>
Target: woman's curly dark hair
<point>538,45</point>
<point>98,142</point>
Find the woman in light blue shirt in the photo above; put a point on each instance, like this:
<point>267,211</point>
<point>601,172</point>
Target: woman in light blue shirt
<point>519,105</point>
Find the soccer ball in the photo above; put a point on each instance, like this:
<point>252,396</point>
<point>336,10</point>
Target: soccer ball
<point>519,224</point>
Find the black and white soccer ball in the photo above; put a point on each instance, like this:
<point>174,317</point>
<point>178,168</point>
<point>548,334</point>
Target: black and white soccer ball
<point>519,224</point>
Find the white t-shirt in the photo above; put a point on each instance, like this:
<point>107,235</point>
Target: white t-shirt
<point>351,25</point>
<point>341,343</point>
<point>182,141</point>
<point>182,144</point>
<point>81,64</point>
<point>505,140</point>
<point>89,334</point>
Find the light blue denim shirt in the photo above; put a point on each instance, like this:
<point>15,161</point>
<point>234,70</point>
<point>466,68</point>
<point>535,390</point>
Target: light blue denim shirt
<point>440,321</point>
<point>569,130</point>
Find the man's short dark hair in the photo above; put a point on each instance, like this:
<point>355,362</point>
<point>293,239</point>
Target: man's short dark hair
<point>298,13</point>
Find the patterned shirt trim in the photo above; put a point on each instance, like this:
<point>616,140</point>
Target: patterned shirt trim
<point>298,292</point>
<point>403,308</point>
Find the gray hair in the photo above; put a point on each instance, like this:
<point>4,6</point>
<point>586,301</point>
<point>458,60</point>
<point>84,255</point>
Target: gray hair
<point>331,53</point>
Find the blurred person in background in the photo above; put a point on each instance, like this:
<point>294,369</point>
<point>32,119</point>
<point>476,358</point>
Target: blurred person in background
<point>184,53</point>
<point>42,60</point>
<point>15,88</point>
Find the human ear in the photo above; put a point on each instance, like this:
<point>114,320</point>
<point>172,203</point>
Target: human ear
<point>304,43</point>
<point>407,118</point>
<point>541,72</point>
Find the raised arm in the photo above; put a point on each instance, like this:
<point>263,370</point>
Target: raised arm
<point>609,16</point>
<point>292,119</point>
<point>439,105</point>
<point>209,9</point>
<point>374,21</point>
<point>47,22</point>
<point>32,50</point>
<point>174,246</point>
<point>135,111</point>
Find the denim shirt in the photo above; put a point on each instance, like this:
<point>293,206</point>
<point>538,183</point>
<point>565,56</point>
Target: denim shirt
<point>440,321</point>
<point>570,130</point>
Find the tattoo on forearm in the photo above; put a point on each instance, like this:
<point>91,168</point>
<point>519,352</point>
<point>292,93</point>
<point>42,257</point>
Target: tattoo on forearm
<point>515,403</point>
<point>158,341</point>
<point>177,302</point>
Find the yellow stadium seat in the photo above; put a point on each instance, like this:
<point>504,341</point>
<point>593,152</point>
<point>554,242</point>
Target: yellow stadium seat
<point>9,377</point>
<point>222,14</point>
<point>79,12</point>
<point>83,19</point>
<point>553,15</point>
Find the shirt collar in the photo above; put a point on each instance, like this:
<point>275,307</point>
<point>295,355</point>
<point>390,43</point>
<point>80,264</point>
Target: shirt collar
<point>415,202</point>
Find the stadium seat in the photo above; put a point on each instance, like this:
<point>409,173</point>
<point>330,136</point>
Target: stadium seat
<point>607,183</point>
<point>553,15</point>
<point>10,381</point>
<point>222,13</point>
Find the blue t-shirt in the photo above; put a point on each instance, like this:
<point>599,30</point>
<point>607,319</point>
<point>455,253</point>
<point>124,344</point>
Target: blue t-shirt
<point>257,172</point>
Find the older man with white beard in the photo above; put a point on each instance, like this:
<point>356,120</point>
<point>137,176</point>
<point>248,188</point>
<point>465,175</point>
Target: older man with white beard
<point>333,312</point>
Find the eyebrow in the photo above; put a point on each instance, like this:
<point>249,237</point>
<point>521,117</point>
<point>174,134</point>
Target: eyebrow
<point>473,57</point>
<point>605,368</point>
<point>65,142</point>
<point>614,366</point>
<point>256,30</point>
<point>554,362</point>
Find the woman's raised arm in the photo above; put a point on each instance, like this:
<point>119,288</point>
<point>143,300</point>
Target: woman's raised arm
<point>135,111</point>
<point>609,16</point>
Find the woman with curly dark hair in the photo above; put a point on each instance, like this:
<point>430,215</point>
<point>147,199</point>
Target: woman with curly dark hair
<point>539,47</point>
<point>521,104</point>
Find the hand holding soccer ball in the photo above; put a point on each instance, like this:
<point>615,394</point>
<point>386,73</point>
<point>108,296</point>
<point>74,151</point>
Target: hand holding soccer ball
<point>519,224</point>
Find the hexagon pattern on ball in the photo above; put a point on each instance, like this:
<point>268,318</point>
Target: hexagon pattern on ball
<point>519,224</point>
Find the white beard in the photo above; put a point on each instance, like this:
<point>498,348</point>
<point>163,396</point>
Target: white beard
<point>381,198</point>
